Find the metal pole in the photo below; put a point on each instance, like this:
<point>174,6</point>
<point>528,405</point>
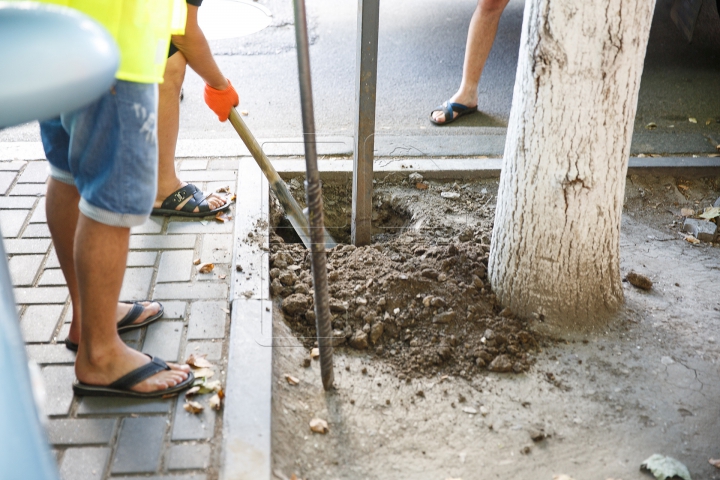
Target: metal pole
<point>365,83</point>
<point>314,200</point>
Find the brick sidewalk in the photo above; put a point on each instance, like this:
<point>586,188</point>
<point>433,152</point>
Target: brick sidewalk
<point>99,438</point>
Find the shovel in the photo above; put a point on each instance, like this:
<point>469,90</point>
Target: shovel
<point>293,211</point>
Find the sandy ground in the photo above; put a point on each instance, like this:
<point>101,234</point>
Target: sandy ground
<point>605,401</point>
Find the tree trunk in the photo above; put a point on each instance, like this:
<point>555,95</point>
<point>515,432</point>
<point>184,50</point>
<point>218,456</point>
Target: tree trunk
<point>555,244</point>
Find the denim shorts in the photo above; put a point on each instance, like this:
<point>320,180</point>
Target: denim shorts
<point>108,150</point>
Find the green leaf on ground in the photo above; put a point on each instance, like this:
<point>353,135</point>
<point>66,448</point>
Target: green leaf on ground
<point>665,467</point>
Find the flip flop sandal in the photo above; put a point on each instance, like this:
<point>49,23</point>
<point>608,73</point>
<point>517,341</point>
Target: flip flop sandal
<point>121,387</point>
<point>126,323</point>
<point>449,109</point>
<point>197,199</point>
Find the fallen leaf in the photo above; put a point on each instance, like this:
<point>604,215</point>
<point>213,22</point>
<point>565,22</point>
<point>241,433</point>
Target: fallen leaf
<point>710,213</point>
<point>709,121</point>
<point>319,425</point>
<point>665,467</point>
<point>210,387</point>
<point>215,402</point>
<point>223,190</point>
<point>233,197</point>
<point>197,261</point>
<point>714,462</point>
<point>244,113</point>
<point>687,212</point>
<point>692,120</point>
<point>691,239</point>
<point>203,373</point>
<point>651,126</point>
<point>421,186</point>
<point>315,353</point>
<point>222,217</point>
<point>206,267</point>
<point>193,407</point>
<point>291,380</point>
<point>682,187</point>
<point>222,277</point>
<point>198,361</point>
<point>192,391</point>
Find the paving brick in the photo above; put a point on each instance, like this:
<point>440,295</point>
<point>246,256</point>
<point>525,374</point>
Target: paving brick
<point>141,259</point>
<point>212,226</point>
<point>27,246</point>
<point>224,164</point>
<point>39,321</point>
<point>17,203</point>
<point>217,248</point>
<point>139,445</point>
<point>51,276</point>
<point>81,431</point>
<point>163,340</point>
<point>176,266</point>
<point>50,353</point>
<point>36,230</point>
<point>190,291</point>
<point>174,309</point>
<point>28,190</point>
<point>110,406</point>
<point>193,426</point>
<point>38,295</point>
<point>209,176</point>
<point>38,215</point>
<point>58,385</point>
<point>11,165</point>
<point>87,463</point>
<point>11,222</point>
<point>213,349</point>
<point>6,179</point>
<point>162,242</point>
<point>52,261</point>
<point>188,457</point>
<point>63,332</point>
<point>151,225</point>
<point>207,320</point>
<point>24,268</point>
<point>35,172</point>
<point>136,283</point>
<point>196,476</point>
<point>194,165</point>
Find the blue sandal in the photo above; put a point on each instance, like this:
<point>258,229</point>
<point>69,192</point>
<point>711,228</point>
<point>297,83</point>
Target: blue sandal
<point>197,199</point>
<point>449,110</point>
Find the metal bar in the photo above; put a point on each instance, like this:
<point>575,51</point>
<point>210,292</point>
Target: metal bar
<point>365,83</point>
<point>314,200</point>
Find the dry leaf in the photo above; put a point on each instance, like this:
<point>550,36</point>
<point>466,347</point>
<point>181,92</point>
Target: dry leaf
<point>682,187</point>
<point>222,277</point>
<point>315,353</point>
<point>197,261</point>
<point>244,113</point>
<point>193,407</point>
<point>691,239</point>
<point>291,380</point>
<point>709,121</point>
<point>198,361</point>
<point>233,197</point>
<point>214,386</point>
<point>687,212</point>
<point>215,402</point>
<point>714,462</point>
<point>421,186</point>
<point>223,190</point>
<point>319,425</point>
<point>222,217</point>
<point>206,267</point>
<point>192,391</point>
<point>203,373</point>
<point>692,120</point>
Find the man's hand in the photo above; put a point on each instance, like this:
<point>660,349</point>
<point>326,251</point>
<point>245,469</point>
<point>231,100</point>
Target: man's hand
<point>221,101</point>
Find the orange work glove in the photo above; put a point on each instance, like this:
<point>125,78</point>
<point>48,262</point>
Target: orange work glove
<point>221,101</point>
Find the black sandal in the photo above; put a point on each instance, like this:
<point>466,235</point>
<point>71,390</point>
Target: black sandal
<point>126,323</point>
<point>197,199</point>
<point>121,387</point>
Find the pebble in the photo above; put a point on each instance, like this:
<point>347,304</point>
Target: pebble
<point>638,280</point>
<point>484,411</point>
<point>295,304</point>
<point>450,195</point>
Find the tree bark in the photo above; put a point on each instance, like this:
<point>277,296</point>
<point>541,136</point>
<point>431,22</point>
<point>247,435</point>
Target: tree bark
<point>555,243</point>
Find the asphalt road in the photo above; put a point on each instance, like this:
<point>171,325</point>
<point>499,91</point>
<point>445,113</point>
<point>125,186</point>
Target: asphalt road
<point>421,49</point>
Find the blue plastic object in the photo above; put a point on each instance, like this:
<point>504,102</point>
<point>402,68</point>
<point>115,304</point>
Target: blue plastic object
<point>53,60</point>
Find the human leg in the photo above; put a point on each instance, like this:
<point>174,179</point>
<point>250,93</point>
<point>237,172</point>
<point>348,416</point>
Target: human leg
<point>168,127</point>
<point>481,35</point>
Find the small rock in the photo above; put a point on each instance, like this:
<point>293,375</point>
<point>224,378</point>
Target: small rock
<point>318,425</point>
<point>445,317</point>
<point>361,301</point>
<point>430,273</point>
<point>640,281</point>
<point>442,277</point>
<point>336,306</point>
<point>310,315</point>
<point>506,312</point>
<point>415,177</point>
<point>287,278</point>
<point>276,287</point>
<point>438,302</point>
<point>501,364</point>
<point>536,434</point>
<point>359,340</point>
<point>450,195</point>
<point>466,235</point>
<point>484,411</point>
<point>469,410</point>
<point>376,332</point>
<point>306,362</point>
<point>338,338</point>
<point>526,450</point>
<point>295,304</point>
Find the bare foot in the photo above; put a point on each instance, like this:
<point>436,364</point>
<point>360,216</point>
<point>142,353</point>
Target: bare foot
<point>214,200</point>
<point>151,308</point>
<point>111,362</point>
<point>468,101</point>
